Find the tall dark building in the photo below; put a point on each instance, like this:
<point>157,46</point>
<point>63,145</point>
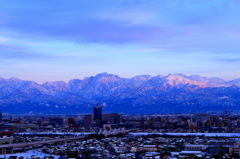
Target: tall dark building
<point>112,118</point>
<point>87,120</point>
<point>0,116</point>
<point>56,121</point>
<point>97,112</point>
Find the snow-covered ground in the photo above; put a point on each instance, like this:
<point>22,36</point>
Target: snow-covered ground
<point>55,133</point>
<point>193,134</point>
<point>182,134</point>
<point>29,154</point>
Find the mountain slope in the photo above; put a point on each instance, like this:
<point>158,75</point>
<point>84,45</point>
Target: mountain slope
<point>174,93</point>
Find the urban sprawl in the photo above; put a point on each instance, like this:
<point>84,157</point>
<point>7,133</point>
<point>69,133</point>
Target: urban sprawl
<point>117,136</point>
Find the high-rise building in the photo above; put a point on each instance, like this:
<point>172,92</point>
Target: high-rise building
<point>97,112</point>
<point>112,118</point>
<point>71,121</point>
<point>0,116</point>
<point>201,117</point>
<point>87,120</point>
<point>56,121</point>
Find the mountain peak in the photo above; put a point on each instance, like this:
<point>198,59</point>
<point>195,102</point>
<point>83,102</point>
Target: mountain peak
<point>212,82</point>
<point>140,93</point>
<point>178,79</point>
<point>142,77</point>
<point>14,79</point>
<point>175,75</point>
<point>104,76</point>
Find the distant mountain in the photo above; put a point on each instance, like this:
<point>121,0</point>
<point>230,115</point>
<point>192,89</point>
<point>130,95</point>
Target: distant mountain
<point>174,93</point>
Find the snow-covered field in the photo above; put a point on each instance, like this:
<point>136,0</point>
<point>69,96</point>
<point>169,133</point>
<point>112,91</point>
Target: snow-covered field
<point>193,134</point>
<point>55,133</point>
<point>174,134</point>
<point>30,154</point>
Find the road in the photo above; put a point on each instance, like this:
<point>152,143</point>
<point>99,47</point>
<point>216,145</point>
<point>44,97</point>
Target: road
<point>26,144</point>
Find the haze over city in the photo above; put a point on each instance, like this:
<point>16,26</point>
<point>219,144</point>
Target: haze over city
<point>62,40</point>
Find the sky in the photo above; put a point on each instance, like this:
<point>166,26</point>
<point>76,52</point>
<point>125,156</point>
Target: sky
<point>44,40</point>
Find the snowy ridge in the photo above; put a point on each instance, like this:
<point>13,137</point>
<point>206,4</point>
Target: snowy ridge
<point>140,94</point>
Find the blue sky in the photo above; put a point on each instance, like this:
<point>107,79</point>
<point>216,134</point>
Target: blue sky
<point>53,40</point>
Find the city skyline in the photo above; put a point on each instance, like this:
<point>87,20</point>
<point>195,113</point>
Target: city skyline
<point>62,40</point>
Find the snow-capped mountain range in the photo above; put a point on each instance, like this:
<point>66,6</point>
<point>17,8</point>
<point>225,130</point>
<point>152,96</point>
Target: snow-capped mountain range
<point>174,93</point>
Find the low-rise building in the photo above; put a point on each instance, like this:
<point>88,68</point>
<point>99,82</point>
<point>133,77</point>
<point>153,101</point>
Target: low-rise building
<point>192,147</point>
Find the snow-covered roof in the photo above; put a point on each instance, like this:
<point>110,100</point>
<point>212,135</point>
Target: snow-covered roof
<point>190,152</point>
